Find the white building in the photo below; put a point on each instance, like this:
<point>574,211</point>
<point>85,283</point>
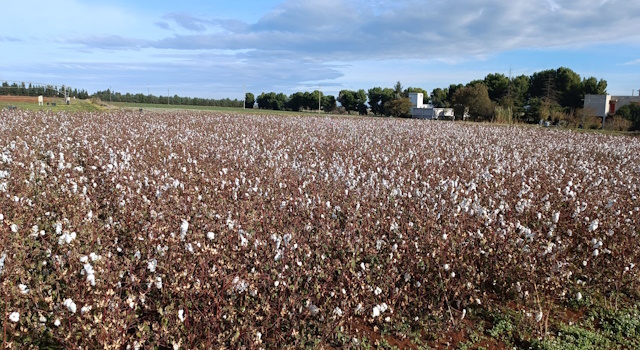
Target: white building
<point>419,110</point>
<point>605,105</point>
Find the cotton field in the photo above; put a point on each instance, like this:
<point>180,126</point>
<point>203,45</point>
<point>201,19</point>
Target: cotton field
<point>201,230</point>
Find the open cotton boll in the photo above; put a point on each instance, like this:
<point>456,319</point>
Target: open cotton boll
<point>184,227</point>
<point>70,305</point>
<point>539,316</point>
<point>91,278</point>
<point>152,265</point>
<point>181,315</point>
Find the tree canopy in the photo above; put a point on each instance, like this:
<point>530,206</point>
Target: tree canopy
<point>378,97</point>
<point>353,100</point>
<point>249,100</point>
<point>476,100</point>
<point>399,108</point>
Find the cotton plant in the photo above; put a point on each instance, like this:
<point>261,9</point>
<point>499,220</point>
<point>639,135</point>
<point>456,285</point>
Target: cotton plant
<point>366,207</point>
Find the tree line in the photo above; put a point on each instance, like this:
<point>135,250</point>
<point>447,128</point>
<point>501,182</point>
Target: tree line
<point>24,89</point>
<point>379,101</point>
<point>390,102</point>
<point>298,101</point>
<point>549,93</point>
<point>552,93</point>
<point>112,96</point>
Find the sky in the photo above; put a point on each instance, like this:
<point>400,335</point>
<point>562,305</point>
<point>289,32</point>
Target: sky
<point>219,49</point>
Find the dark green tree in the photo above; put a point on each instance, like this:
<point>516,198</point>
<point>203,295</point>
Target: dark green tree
<point>542,84</point>
<point>296,101</point>
<point>264,100</point>
<point>361,102</point>
<point>378,97</point>
<point>517,96</point>
<point>594,86</point>
<point>328,103</point>
<point>439,98</point>
<point>451,91</point>
<point>569,85</point>
<point>249,100</point>
<point>475,99</point>
<point>312,99</point>
<point>397,88</point>
<point>399,108</point>
<point>497,85</point>
<point>348,100</point>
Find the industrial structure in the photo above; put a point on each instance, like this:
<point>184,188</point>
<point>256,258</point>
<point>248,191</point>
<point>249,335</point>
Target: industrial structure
<point>419,110</point>
<point>606,105</point>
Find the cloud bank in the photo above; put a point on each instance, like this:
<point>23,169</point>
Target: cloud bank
<point>337,30</point>
<point>299,44</point>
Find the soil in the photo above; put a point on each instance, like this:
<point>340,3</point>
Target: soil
<point>363,330</point>
<point>459,335</point>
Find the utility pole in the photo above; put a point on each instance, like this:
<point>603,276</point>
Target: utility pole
<point>244,96</point>
<point>109,94</point>
<point>167,97</point>
<point>319,97</point>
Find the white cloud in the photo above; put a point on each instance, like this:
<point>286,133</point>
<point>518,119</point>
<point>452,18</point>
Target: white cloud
<point>553,5</point>
<point>296,43</point>
<point>347,30</point>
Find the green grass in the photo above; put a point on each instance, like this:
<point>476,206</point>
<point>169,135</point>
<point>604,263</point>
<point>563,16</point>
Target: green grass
<point>149,106</point>
<point>74,106</point>
<point>574,337</point>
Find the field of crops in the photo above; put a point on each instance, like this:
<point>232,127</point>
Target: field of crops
<point>203,229</point>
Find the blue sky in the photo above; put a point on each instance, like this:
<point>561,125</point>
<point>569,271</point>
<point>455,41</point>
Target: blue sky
<point>213,48</point>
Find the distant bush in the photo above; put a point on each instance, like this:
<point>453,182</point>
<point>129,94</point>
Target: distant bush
<point>617,123</point>
<point>503,115</point>
<point>97,101</point>
<point>592,123</point>
<point>631,113</point>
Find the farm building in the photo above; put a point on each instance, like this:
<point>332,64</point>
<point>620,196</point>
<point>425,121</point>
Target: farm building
<point>604,105</point>
<point>419,110</point>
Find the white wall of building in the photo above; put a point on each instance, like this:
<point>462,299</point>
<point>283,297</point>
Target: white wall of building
<point>597,105</point>
<point>417,99</point>
<point>600,105</point>
<point>419,110</point>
